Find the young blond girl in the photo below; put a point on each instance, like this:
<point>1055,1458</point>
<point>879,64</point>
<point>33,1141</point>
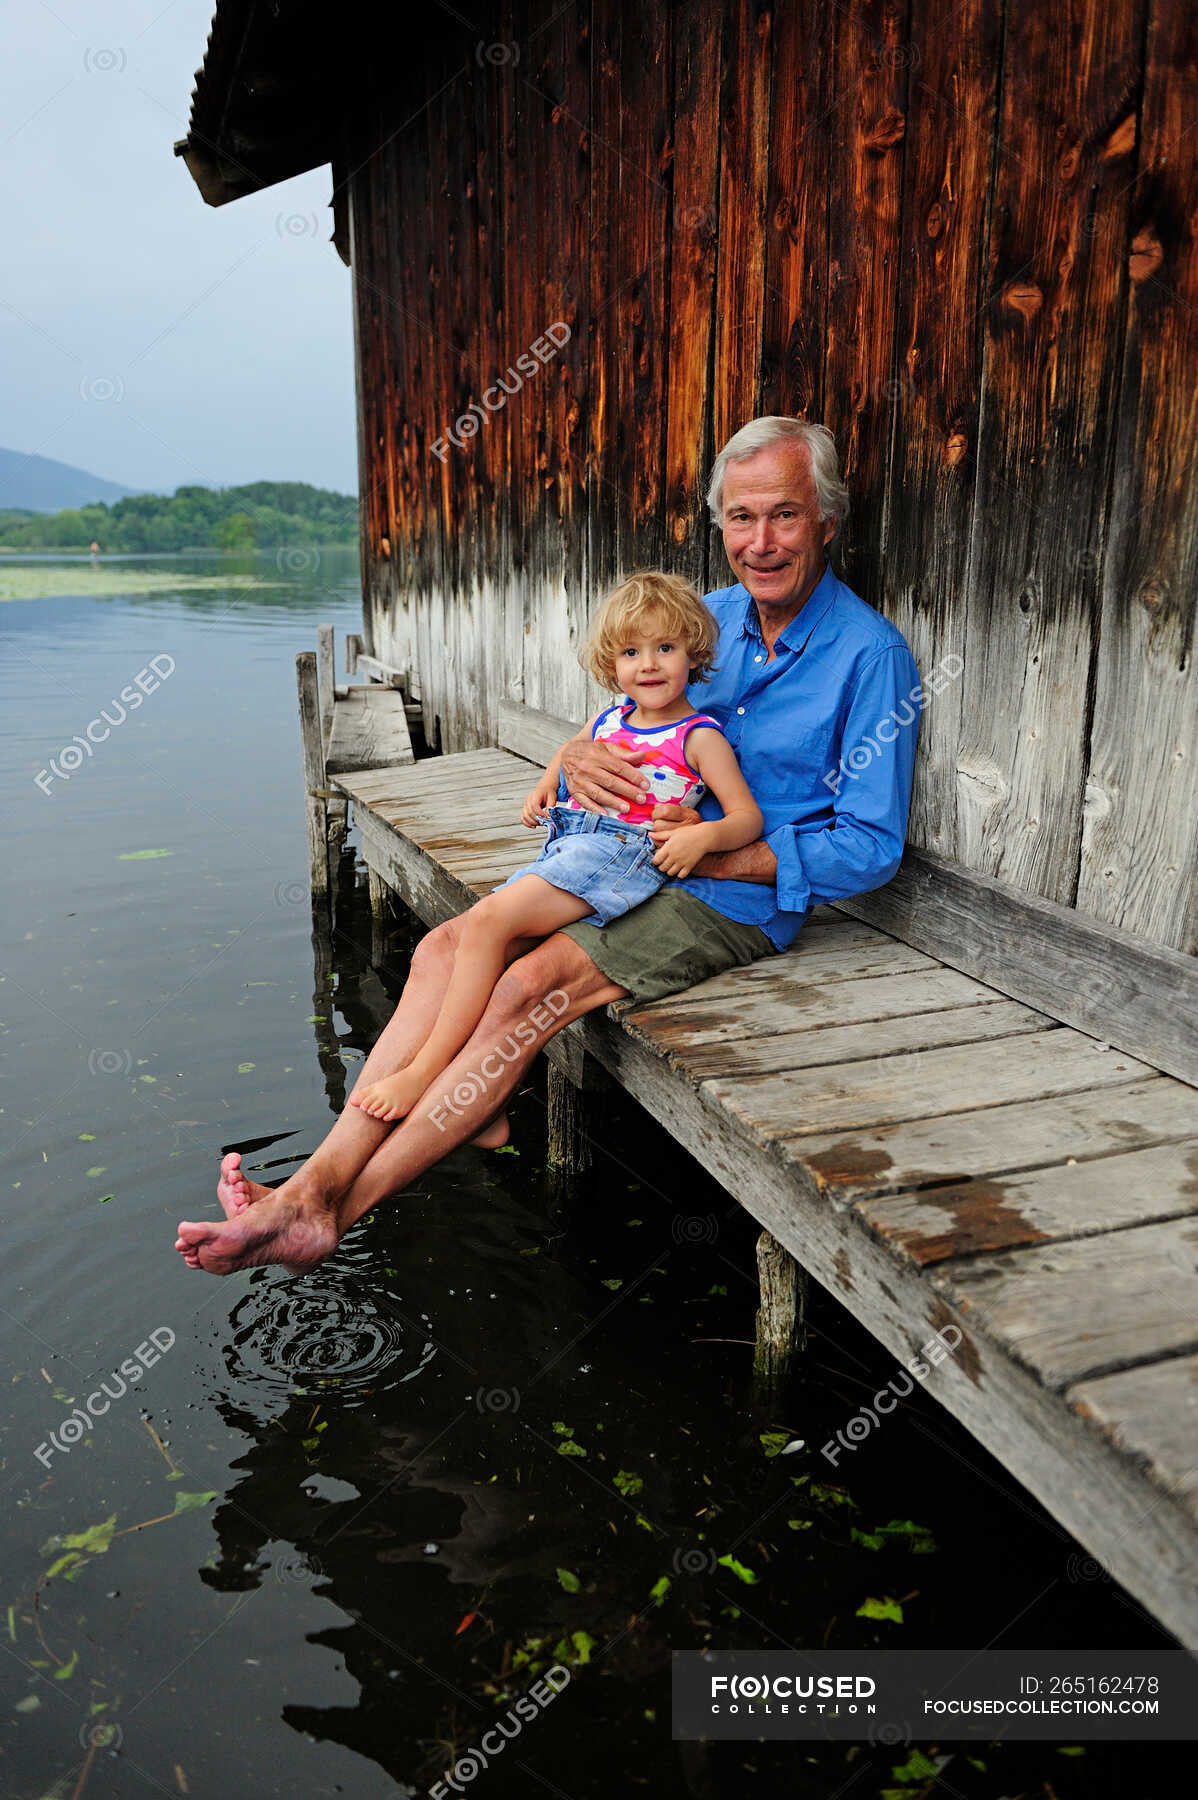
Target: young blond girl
<point>651,637</point>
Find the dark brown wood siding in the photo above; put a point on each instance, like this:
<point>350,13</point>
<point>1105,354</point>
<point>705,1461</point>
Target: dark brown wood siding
<point>962,236</point>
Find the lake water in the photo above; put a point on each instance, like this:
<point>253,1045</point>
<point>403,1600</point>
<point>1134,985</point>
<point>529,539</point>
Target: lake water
<point>343,1521</point>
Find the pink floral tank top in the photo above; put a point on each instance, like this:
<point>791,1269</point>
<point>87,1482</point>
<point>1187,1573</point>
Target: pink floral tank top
<point>673,781</point>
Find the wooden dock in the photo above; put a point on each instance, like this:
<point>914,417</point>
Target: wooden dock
<point>934,1151</point>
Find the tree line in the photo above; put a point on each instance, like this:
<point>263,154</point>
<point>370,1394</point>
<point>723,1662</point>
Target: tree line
<point>264,515</point>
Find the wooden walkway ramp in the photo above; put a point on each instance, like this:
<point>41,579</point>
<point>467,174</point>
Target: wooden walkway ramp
<point>935,1153</point>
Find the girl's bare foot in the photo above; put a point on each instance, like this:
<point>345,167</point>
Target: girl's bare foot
<point>391,1097</point>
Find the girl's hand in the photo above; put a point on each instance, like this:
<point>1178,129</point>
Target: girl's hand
<point>668,818</point>
<point>683,848</point>
<point>537,803</point>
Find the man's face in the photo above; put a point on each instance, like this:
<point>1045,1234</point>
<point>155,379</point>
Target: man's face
<point>773,535</point>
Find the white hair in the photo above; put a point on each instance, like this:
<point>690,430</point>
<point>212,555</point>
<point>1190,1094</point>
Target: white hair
<point>761,434</point>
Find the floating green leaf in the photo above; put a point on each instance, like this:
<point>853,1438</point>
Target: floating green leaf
<point>562,1429</point>
<point>738,1569</point>
<point>92,1173</point>
<point>29,1704</point>
<point>188,1502</point>
<point>569,1580</point>
<point>612,1281</point>
<point>95,1540</point>
<point>881,1609</point>
<point>68,1668</point>
<point>659,1590</point>
<point>774,1442</point>
<point>1071,1750</point>
<point>244,1068</point>
<point>569,1448</point>
<point>142,855</point>
<point>917,1768</point>
<point>583,1645</point>
<point>87,1137</point>
<point>800,1524</point>
<point>918,1538</point>
<point>104,1199</point>
<point>627,1483</point>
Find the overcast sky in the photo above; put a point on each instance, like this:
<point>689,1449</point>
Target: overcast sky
<point>145,336</point>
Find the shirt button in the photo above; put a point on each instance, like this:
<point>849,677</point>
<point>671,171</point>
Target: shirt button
<point>740,709</point>
<point>756,659</point>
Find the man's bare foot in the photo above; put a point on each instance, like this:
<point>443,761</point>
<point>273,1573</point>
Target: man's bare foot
<point>495,1132</point>
<point>277,1227</point>
<point>391,1097</point>
<point>235,1190</point>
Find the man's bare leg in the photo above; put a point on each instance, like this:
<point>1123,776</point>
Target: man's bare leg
<point>301,1222</point>
<point>354,1137</point>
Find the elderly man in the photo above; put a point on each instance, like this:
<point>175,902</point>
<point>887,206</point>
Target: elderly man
<point>809,678</point>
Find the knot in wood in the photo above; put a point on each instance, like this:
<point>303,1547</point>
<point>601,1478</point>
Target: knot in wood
<point>956,448</point>
<point>935,219</point>
<point>1146,255</point>
<point>887,132</point>
<point>1024,297</point>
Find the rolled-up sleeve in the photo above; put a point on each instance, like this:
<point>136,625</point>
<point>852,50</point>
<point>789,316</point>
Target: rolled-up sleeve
<point>862,847</point>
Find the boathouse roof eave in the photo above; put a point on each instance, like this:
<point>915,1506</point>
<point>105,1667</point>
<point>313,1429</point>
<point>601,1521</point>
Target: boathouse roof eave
<point>267,101</point>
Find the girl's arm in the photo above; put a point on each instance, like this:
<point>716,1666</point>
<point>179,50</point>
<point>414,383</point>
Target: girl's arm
<point>715,762</point>
<point>542,797</point>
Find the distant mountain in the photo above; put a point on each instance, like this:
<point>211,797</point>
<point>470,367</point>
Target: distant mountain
<point>39,484</point>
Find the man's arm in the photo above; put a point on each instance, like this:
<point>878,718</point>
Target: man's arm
<point>863,846</point>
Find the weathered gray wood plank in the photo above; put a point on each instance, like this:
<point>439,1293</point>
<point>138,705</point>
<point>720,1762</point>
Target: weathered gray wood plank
<point>1064,1460</point>
<point>791,1003</point>
<point>1066,1200</point>
<point>1150,1413</point>
<point>1090,974</point>
<point>775,1049</point>
<point>369,731</point>
<point>996,1140</point>
<point>1087,1306</point>
<point>921,1083</point>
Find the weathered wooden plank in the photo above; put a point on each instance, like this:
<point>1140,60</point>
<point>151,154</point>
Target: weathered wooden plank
<point>375,670</point>
<point>744,176</point>
<point>369,730</point>
<point>1139,850</point>
<point>603,403</point>
<point>1068,1200</point>
<point>692,264</point>
<point>1087,1306</point>
<point>920,1084</point>
<point>1053,353</point>
<point>863,264</point>
<point>1063,1459</point>
<point>641,274</point>
<point>805,121</point>
<point>791,1004</point>
<point>1096,976</point>
<point>774,1048</point>
<point>996,1140</point>
<point>936,382</point>
<point>528,732</point>
<point>1150,1413</point>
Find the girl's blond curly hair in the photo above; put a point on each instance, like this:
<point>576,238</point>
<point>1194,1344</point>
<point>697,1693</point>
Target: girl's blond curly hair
<point>645,593</point>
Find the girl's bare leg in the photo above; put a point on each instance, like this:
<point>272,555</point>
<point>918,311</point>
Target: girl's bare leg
<point>529,908</point>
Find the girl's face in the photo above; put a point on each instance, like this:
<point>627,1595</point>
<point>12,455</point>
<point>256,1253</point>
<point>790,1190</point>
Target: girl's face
<point>651,667</point>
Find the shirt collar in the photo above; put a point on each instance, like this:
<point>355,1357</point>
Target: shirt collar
<point>808,616</point>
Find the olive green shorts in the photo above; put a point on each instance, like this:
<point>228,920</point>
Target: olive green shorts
<point>668,943</point>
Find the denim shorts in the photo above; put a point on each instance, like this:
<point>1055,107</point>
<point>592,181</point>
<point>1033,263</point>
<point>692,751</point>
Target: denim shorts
<point>605,861</point>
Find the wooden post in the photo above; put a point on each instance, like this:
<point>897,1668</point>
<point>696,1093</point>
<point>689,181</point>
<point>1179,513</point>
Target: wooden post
<point>326,666</point>
<point>314,781</point>
<point>781,1318</point>
<point>570,1121</point>
<point>380,911</point>
<point>353,649</point>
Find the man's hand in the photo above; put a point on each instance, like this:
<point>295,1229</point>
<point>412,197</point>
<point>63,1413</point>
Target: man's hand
<point>537,804</point>
<point>668,818</point>
<point>600,777</point>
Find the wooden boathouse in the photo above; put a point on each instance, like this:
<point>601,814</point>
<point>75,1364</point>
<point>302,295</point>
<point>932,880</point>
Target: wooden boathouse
<point>586,242</point>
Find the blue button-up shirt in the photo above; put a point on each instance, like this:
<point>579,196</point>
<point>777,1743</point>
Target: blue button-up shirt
<point>825,735</point>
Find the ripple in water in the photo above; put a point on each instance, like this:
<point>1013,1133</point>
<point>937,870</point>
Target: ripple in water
<point>327,1331</point>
